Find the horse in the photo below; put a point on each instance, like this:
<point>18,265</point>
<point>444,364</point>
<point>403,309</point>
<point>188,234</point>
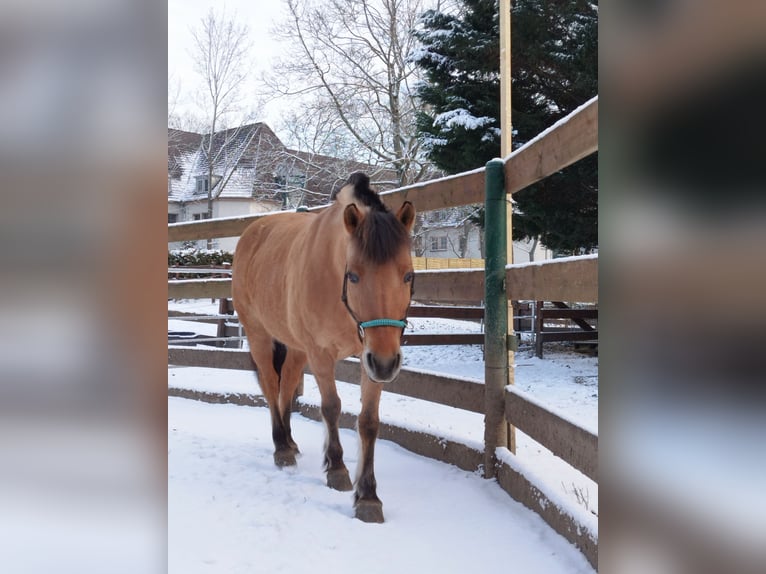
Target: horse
<point>314,288</point>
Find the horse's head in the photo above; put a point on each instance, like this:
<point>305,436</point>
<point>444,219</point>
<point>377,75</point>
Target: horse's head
<point>378,282</point>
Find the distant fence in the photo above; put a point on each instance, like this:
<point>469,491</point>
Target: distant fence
<point>569,279</point>
<point>421,263</point>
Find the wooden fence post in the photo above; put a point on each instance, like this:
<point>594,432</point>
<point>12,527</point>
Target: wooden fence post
<point>539,326</point>
<point>495,316</point>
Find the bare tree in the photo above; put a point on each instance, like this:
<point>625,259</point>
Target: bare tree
<point>220,51</point>
<point>347,67</point>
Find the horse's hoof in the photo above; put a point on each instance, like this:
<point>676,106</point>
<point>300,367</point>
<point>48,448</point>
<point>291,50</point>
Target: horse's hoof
<point>338,479</point>
<point>369,510</point>
<point>284,458</point>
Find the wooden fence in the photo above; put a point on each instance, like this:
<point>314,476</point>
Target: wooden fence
<point>420,263</point>
<point>570,279</point>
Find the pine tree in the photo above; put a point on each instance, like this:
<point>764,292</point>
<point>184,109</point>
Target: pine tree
<point>554,70</point>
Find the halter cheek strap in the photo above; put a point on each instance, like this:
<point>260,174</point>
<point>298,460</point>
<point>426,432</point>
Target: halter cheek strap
<point>362,325</point>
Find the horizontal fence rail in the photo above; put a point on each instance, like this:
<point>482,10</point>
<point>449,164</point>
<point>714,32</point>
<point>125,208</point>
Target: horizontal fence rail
<point>567,440</point>
<point>449,391</point>
<point>570,139</point>
<point>569,279</point>
<point>566,279</point>
<point>467,313</point>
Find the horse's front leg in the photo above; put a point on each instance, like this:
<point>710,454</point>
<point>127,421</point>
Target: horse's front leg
<point>324,373</point>
<point>367,505</point>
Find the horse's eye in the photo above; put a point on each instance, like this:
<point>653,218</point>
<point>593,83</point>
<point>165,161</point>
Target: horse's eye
<point>408,277</point>
<point>353,277</point>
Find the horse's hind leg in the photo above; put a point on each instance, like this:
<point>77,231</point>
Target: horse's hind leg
<point>337,473</point>
<point>290,377</point>
<point>269,357</point>
<point>367,505</point>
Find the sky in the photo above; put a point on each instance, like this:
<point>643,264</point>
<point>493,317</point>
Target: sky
<point>185,14</point>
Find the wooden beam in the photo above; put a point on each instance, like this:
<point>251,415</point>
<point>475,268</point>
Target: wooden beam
<point>458,393</point>
<point>452,191</point>
<point>568,279</point>
<point>521,489</point>
<point>212,228</point>
<point>442,286</point>
<point>569,335</point>
<point>565,439</point>
<point>199,289</point>
<point>571,279</point>
<point>463,287</point>
<point>576,318</point>
<point>420,339</point>
<point>571,314</point>
<point>446,312</point>
<point>212,358</point>
<point>568,140</point>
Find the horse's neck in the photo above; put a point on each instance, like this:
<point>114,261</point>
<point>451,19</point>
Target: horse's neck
<point>329,228</point>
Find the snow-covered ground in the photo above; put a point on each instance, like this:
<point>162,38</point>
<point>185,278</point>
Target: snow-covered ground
<point>230,509</point>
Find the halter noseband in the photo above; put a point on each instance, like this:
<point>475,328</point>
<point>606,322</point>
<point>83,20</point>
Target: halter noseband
<point>362,325</point>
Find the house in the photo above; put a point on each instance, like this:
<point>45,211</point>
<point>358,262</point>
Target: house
<point>252,172</point>
<point>452,233</point>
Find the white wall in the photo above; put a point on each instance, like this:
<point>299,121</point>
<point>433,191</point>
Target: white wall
<point>221,208</point>
<point>522,252</point>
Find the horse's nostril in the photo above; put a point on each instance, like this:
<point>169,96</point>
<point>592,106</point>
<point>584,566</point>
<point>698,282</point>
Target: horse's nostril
<point>382,369</point>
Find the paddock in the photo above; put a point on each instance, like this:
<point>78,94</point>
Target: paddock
<point>572,280</point>
<point>230,509</point>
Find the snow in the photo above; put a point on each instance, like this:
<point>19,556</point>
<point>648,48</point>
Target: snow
<point>551,261</point>
<point>230,508</point>
<point>461,117</point>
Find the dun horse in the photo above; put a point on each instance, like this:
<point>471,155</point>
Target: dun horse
<point>316,288</point>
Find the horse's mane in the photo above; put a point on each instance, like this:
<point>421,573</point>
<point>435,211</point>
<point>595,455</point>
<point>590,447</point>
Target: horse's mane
<point>380,236</point>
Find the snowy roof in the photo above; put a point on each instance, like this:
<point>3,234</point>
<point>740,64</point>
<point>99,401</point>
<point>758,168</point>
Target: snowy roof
<point>235,155</point>
<point>253,163</point>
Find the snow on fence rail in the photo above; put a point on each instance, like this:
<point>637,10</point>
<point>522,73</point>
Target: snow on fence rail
<point>574,279</point>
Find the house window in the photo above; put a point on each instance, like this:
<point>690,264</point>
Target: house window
<point>203,184</point>
<point>295,180</point>
<point>172,217</point>
<point>439,215</point>
<point>439,243</point>
<point>199,216</point>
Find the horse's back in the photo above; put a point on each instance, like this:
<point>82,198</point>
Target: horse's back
<point>259,271</point>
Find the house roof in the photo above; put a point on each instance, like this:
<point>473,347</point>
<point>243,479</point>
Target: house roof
<point>253,163</point>
<point>180,143</point>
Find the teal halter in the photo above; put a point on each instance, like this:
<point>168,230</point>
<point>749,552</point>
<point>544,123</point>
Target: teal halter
<point>362,325</point>
<point>383,323</point>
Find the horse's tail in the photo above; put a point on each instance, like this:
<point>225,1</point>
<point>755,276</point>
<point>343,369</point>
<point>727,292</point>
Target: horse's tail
<point>278,356</point>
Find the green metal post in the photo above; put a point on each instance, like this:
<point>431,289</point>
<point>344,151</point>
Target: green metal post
<point>495,314</point>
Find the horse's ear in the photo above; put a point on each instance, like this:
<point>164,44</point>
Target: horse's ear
<point>406,215</point>
<point>351,217</point>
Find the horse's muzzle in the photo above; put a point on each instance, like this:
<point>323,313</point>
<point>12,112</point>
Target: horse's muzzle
<point>379,369</point>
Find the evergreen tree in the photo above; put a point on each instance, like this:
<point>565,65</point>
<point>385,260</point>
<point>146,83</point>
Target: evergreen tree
<point>554,70</point>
